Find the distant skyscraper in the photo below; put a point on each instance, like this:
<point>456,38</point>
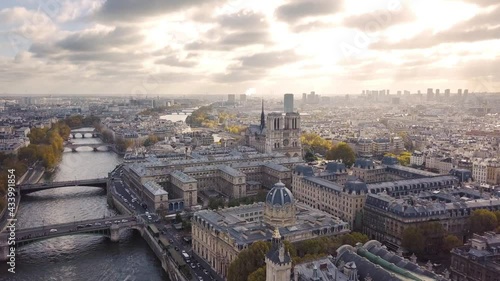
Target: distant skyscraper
<point>447,93</point>
<point>231,99</point>
<point>243,97</point>
<point>304,98</point>
<point>288,103</point>
<point>399,93</point>
<point>430,94</point>
<point>466,91</point>
<point>459,92</point>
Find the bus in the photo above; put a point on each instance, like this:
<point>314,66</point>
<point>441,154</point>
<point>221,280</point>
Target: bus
<point>185,255</point>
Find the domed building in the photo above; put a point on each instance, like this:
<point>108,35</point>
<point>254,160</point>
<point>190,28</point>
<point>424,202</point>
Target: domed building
<point>220,235</point>
<point>279,209</point>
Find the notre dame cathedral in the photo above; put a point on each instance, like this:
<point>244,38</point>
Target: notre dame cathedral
<point>279,132</point>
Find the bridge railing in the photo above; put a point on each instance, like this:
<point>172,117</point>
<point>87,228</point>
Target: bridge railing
<point>75,222</point>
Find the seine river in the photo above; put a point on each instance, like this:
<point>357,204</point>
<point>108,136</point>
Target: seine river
<point>80,257</point>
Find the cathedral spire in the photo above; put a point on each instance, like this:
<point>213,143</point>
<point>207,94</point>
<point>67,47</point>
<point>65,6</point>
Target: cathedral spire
<point>262,117</point>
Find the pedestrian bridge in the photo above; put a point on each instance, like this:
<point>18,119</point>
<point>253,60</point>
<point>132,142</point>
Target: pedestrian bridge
<point>110,227</point>
<point>30,188</point>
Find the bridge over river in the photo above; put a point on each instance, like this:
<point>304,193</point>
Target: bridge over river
<point>30,188</point>
<point>110,227</point>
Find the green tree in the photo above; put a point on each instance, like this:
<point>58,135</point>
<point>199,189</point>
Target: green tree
<point>482,220</point>
<point>248,261</point>
<point>413,240</point>
<point>354,238</point>
<point>451,241</point>
<point>178,217</point>
<point>151,140</point>
<point>343,152</point>
<point>309,156</point>
<point>258,275</point>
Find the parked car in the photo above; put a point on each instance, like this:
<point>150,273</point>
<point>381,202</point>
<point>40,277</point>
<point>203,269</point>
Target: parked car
<point>53,230</point>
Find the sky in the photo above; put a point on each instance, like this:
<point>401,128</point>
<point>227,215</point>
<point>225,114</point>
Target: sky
<point>263,47</point>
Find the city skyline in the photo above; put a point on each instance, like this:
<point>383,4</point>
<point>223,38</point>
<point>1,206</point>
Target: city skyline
<point>193,47</point>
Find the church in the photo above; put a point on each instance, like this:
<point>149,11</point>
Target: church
<point>279,132</point>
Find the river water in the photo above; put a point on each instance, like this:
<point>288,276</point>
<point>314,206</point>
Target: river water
<point>79,257</point>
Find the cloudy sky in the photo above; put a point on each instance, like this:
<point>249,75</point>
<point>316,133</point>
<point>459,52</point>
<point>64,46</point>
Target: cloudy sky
<point>151,47</point>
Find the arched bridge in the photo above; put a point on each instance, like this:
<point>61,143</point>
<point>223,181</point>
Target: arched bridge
<point>93,133</point>
<point>29,188</point>
<point>110,227</point>
<point>94,146</point>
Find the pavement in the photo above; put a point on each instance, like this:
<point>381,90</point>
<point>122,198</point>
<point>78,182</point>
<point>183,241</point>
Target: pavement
<point>175,237</point>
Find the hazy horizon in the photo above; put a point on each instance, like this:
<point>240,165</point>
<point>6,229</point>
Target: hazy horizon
<point>194,47</point>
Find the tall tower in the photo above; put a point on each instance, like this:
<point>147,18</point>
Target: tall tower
<point>278,262</point>
<point>288,103</point>
<point>262,117</point>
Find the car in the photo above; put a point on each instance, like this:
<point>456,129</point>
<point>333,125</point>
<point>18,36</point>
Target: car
<point>192,265</point>
<point>176,248</point>
<point>124,220</point>
<point>133,207</point>
<point>200,278</point>
<point>171,241</point>
<point>88,224</point>
<point>197,264</point>
<point>53,230</point>
<point>205,271</point>
<point>108,222</point>
<point>147,213</point>
<point>184,252</point>
<point>80,226</point>
<point>117,221</point>
<point>97,223</point>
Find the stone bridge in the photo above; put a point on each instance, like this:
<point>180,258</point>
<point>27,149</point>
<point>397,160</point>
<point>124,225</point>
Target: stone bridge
<point>110,227</point>
<point>94,146</point>
<point>92,133</point>
<point>30,188</point>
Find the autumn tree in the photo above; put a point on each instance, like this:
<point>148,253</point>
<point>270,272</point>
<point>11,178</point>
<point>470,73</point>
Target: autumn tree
<point>404,158</point>
<point>315,142</point>
<point>342,151</point>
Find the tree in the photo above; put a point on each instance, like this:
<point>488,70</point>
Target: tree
<point>151,140</point>
<point>343,152</point>
<point>404,158</point>
<point>248,261</point>
<point>309,156</point>
<point>413,240</point>
<point>354,238</point>
<point>258,275</point>
<point>178,217</point>
<point>315,142</point>
<point>451,241</point>
<point>482,220</point>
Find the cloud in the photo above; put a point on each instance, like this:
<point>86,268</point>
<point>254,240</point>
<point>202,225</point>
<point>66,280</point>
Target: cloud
<point>481,27</point>
<point>131,10</point>
<point>243,20</point>
<point>269,59</point>
<point>94,40</point>
<point>380,19</point>
<point>296,10</point>
<point>175,61</point>
<point>232,31</point>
